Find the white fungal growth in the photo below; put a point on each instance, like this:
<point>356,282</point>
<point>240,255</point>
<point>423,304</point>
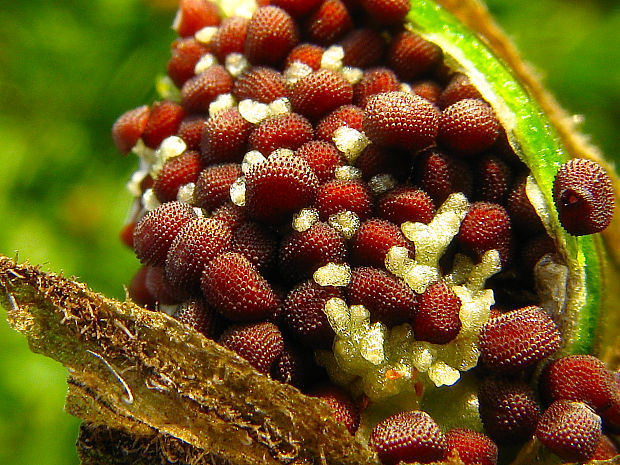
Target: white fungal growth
<point>135,183</point>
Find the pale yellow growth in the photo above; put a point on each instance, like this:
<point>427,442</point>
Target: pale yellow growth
<point>237,192</point>
<point>167,90</point>
<point>305,219</point>
<point>150,200</point>
<point>443,375</point>
<point>254,112</point>
<point>186,193</point>
<point>280,106</point>
<point>347,173</point>
<point>221,102</point>
<point>296,71</point>
<point>333,274</point>
<point>346,223</point>
<point>332,58</point>
<point>350,142</point>
<point>205,34</point>
<point>204,63</point>
<point>171,147</point>
<point>352,74</point>
<point>251,158</point>
<point>381,183</point>
<point>236,64</point>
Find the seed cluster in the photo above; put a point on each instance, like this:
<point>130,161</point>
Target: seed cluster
<point>327,199</point>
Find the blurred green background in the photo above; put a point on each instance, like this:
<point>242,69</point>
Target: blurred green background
<point>68,69</point>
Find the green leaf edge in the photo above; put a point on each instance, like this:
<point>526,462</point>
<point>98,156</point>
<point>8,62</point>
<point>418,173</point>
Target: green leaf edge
<point>538,144</point>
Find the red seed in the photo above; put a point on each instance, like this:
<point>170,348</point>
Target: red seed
<point>261,84</point>
<point>428,90</point>
<point>198,92</point>
<point>321,92</point>
<point>308,54</point>
<point>374,81</point>
<point>323,158</point>
<point>302,253</point>
<point>406,204</point>
<point>330,21</point>
<point>381,160</point>
<point>400,120</point>
<point>193,15</point>
<point>155,232</point>
<point>492,179</point>
<point>126,234</point>
<point>468,126</point>
<point>518,339</point>
<point>487,226</point>
<point>175,173</point>
<point>190,131</point>
<point>256,243</point>
<point>225,137</point>
<point>363,48</point>
<point>373,240</point>
<point>229,38</point>
<point>437,319</point>
<point>163,122</point>
<point>473,448</point>
<point>605,450</point>
<point>350,116</point>
<point>294,366</point>
<point>584,197</point>
<point>259,343</point>
<point>198,242</point>
<point>386,12</point>
<point>287,131</point>
<point>198,316</point>
<point>213,185</point>
<point>304,314</point>
<point>409,437</point>
<point>161,290</point>
<point>387,298</point>
<point>440,175</point>
<point>508,410</point>
<point>232,215</point>
<point>129,127</point>
<point>233,286</point>
<point>279,187</point>
<point>138,291</point>
<point>571,430</point>
<point>582,378</point>
<point>343,195</point>
<point>522,213</point>
<point>459,88</point>
<point>271,35</point>
<point>534,249</point>
<point>185,55</point>
<point>344,410</point>
<point>296,8</point>
<point>411,57</point>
